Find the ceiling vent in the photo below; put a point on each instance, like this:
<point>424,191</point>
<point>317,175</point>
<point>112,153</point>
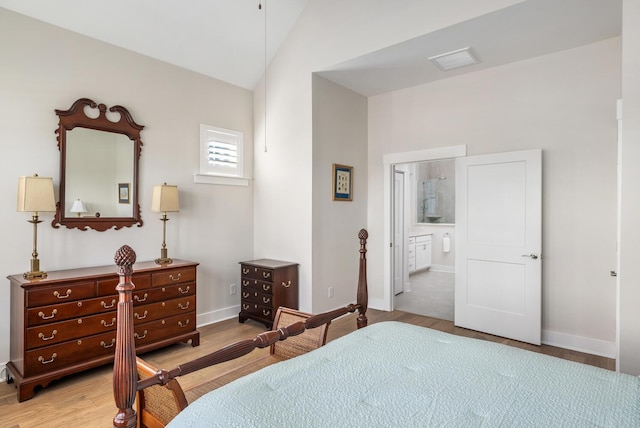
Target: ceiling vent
<point>454,59</point>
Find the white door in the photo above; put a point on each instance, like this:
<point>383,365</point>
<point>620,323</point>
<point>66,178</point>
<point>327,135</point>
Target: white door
<point>498,244</point>
<point>398,232</point>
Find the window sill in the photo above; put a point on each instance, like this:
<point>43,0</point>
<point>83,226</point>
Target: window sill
<point>220,179</point>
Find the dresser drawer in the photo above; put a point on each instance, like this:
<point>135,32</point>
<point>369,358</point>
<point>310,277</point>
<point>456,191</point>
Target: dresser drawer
<point>60,293</point>
<point>107,287</point>
<point>167,327</point>
<point>173,276</point>
<point>254,272</point>
<point>163,293</point>
<point>58,356</point>
<point>50,334</point>
<point>46,359</point>
<point>153,311</point>
<point>63,311</point>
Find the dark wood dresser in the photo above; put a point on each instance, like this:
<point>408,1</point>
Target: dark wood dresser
<point>66,323</point>
<point>266,285</point>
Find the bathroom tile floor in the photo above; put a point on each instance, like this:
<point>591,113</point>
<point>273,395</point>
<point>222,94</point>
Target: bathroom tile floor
<point>431,295</point>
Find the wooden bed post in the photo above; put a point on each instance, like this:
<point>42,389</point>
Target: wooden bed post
<point>124,365</point>
<point>363,294</point>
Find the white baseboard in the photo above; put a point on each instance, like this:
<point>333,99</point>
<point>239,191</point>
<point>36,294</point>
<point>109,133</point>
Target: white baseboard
<point>443,268</point>
<point>579,343</point>
<point>217,316</point>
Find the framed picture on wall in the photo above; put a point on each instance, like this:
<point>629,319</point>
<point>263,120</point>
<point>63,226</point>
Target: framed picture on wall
<point>342,182</point>
<point>123,193</point>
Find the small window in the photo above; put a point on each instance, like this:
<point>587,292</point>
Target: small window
<point>220,151</point>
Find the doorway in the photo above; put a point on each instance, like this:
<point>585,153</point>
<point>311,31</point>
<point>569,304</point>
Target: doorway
<point>399,161</point>
<point>429,215</point>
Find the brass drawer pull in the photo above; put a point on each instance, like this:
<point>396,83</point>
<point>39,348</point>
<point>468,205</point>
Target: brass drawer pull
<point>245,295</point>
<point>185,291</point>
<point>177,278</point>
<point>140,317</point>
<point>183,307</point>
<point>266,312</point>
<point>104,323</point>
<point>143,299</point>
<point>59,296</point>
<point>183,325</point>
<point>245,282</point>
<point>53,335</point>
<point>266,300</point>
<point>106,346</point>
<point>286,284</point>
<point>266,287</point>
<point>245,271</point>
<point>137,336</point>
<point>44,317</point>
<point>245,306</point>
<point>104,305</point>
<point>43,361</point>
<point>266,275</point>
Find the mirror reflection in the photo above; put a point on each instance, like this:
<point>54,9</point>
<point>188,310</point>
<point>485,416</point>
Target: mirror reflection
<point>435,191</point>
<point>97,165</point>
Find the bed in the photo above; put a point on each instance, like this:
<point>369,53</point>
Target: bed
<point>389,374</point>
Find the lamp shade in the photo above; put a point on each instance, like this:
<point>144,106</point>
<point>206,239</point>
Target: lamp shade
<point>35,194</point>
<point>165,198</point>
<point>78,207</point>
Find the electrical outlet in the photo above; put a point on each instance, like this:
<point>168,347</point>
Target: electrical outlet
<point>330,291</point>
<point>232,289</point>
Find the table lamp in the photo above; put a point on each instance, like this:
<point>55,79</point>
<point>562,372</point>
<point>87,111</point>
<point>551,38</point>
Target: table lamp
<point>164,200</point>
<point>35,194</point>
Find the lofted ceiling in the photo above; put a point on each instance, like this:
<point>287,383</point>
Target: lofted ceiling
<point>225,39</point>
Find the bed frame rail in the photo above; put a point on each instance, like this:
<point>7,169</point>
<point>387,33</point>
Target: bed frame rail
<point>125,378</point>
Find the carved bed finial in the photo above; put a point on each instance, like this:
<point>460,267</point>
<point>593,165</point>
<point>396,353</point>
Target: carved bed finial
<point>124,258</point>
<point>363,234</point>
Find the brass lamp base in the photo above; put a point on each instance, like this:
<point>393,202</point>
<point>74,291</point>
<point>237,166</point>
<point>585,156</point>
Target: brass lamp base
<point>163,260</point>
<point>34,275</point>
<point>35,272</point>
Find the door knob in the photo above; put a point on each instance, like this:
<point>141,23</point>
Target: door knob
<point>534,256</point>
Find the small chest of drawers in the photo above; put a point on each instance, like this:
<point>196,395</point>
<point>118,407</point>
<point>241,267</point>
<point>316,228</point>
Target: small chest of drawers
<point>266,285</point>
<point>66,323</point>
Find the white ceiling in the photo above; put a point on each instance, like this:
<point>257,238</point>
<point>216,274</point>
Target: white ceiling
<point>225,39</point>
<point>525,30</point>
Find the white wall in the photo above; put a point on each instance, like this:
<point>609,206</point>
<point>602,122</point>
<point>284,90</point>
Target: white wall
<point>45,68</point>
<point>629,273</point>
<point>327,32</point>
<point>563,103</point>
<point>339,136</point>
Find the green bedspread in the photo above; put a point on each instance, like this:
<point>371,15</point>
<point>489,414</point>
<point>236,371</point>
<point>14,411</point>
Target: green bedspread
<point>393,374</point>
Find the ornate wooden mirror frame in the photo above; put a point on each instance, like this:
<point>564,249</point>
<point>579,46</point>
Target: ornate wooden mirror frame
<point>76,117</point>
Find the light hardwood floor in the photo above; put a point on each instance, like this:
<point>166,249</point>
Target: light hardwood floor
<point>86,400</point>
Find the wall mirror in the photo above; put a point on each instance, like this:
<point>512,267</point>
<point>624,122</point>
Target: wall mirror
<point>435,191</point>
<point>99,156</point>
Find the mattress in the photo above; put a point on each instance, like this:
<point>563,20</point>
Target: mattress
<point>394,374</point>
